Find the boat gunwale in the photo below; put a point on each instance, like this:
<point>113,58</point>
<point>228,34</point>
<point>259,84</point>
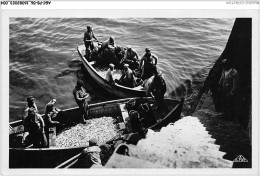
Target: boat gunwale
<point>100,104</point>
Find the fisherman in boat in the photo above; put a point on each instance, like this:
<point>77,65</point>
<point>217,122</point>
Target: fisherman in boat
<point>90,156</point>
<point>34,129</point>
<point>52,117</point>
<point>131,57</point>
<point>134,117</point>
<point>147,115</point>
<point>51,113</point>
<point>81,97</point>
<point>88,38</point>
<point>109,74</point>
<point>127,78</point>
<point>108,44</point>
<point>157,88</point>
<point>228,89</point>
<point>147,61</point>
<point>106,53</point>
<point>30,103</point>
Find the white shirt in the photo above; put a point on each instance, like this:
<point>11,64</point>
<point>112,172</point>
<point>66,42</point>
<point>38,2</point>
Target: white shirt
<point>109,76</point>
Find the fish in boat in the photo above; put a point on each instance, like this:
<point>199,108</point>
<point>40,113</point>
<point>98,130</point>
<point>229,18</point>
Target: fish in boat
<point>52,156</point>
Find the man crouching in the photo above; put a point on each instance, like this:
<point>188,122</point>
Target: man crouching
<point>90,156</point>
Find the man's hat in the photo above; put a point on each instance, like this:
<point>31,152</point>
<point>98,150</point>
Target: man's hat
<point>54,101</point>
<point>147,49</point>
<point>92,142</point>
<point>112,38</point>
<point>126,65</point>
<point>134,113</point>
<point>30,99</point>
<point>226,62</point>
<point>111,65</point>
<point>159,73</point>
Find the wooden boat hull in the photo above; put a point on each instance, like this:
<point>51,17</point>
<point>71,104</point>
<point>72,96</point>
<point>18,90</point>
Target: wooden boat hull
<point>117,90</point>
<point>51,157</point>
<point>40,158</point>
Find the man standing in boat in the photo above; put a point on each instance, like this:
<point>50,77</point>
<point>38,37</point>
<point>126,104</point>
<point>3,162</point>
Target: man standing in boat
<point>30,103</point>
<point>34,129</point>
<point>88,38</point>
<point>146,63</point>
<point>51,113</point>
<point>81,97</point>
<point>131,57</point>
<point>157,88</point>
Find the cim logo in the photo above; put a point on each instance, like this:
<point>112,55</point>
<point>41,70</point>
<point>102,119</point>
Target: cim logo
<point>240,159</point>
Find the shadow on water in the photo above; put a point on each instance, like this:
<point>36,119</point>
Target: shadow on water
<point>97,93</point>
<point>73,65</point>
<point>65,72</point>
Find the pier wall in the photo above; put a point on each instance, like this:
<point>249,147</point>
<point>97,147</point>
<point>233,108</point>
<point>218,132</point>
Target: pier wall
<point>239,51</point>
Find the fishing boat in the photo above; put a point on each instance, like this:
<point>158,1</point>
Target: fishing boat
<point>118,109</point>
<point>115,89</point>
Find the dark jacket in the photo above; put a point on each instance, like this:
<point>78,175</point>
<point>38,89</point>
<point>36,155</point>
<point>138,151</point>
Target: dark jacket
<point>158,86</point>
<point>229,83</point>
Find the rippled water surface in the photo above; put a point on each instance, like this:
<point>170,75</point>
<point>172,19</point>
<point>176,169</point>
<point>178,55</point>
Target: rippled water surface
<point>43,55</point>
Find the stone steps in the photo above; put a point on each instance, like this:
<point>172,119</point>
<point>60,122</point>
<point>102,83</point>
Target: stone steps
<point>184,144</point>
<point>202,141</point>
<point>229,135</point>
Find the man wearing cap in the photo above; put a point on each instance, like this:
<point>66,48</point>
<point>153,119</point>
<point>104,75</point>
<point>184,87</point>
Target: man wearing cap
<point>228,89</point>
<point>81,97</point>
<point>30,103</point>
<point>127,78</point>
<point>146,62</point>
<point>34,129</point>
<point>90,156</point>
<point>131,57</point>
<point>109,74</point>
<point>157,88</point>
<point>88,38</point>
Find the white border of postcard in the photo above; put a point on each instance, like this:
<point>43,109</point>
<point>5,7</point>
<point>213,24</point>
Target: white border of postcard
<point>114,9</point>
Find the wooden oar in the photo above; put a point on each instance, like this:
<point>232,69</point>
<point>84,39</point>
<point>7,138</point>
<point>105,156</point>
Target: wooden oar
<point>69,162</point>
